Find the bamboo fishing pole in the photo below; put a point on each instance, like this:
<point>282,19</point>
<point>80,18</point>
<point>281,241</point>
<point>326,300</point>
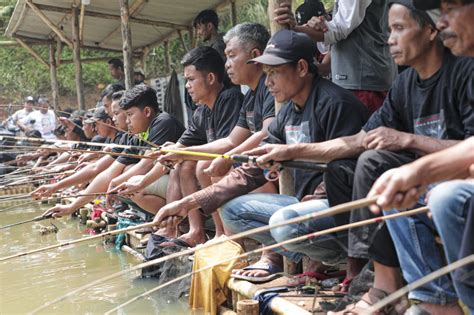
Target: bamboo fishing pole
<point>22,204</point>
<point>270,247</point>
<point>151,144</point>
<point>35,219</point>
<point>419,283</point>
<point>213,243</point>
<point>84,143</point>
<point>136,156</point>
<point>361,203</point>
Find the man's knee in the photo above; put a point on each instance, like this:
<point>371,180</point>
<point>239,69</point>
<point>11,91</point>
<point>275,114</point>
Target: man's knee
<point>448,196</point>
<point>201,176</point>
<point>285,232</point>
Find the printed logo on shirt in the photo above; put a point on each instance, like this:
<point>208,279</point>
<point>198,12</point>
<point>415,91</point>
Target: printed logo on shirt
<point>298,134</point>
<point>46,125</point>
<point>250,117</point>
<point>433,126</point>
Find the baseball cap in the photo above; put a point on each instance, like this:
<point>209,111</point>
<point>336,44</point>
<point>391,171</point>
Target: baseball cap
<point>29,99</point>
<point>99,114</point>
<point>427,4</point>
<point>430,16</point>
<point>287,46</point>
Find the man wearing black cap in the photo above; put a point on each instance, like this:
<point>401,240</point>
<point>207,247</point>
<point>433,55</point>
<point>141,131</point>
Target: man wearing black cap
<point>318,110</point>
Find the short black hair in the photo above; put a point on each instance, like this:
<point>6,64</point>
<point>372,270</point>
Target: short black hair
<point>117,63</point>
<point>205,59</point>
<point>111,89</point>
<point>117,95</point>
<point>207,16</point>
<point>139,96</point>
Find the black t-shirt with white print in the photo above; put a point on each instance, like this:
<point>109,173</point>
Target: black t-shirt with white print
<point>330,112</point>
<point>163,128</point>
<point>209,125</point>
<point>440,106</point>
<point>258,105</point>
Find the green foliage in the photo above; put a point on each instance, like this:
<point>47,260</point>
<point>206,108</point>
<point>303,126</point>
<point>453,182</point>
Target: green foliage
<point>21,74</point>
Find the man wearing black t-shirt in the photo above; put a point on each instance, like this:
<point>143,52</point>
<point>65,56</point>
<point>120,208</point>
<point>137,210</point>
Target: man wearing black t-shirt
<point>244,41</point>
<point>318,110</point>
<point>424,112</point>
<point>214,119</point>
<point>145,122</point>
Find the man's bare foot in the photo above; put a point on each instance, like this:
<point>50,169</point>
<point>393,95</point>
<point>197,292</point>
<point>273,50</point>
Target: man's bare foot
<point>168,233</point>
<point>186,240</point>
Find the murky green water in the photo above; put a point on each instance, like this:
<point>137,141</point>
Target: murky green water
<point>28,282</point>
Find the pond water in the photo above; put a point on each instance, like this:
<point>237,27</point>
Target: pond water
<point>30,281</point>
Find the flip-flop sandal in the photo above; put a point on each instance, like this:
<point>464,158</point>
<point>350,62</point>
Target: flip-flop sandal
<point>273,270</point>
<point>416,310</point>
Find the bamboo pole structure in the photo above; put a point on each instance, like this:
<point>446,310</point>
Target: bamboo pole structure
<point>59,51</point>
<point>286,179</point>
<point>48,22</point>
<point>53,70</point>
<point>183,42</point>
<point>167,57</point>
<point>77,59</point>
<point>31,51</point>
<point>81,23</point>
<point>127,44</point>
<point>233,12</point>
<point>135,8</point>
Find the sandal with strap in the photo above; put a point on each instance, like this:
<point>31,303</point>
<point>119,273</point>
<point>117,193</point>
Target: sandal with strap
<point>373,296</point>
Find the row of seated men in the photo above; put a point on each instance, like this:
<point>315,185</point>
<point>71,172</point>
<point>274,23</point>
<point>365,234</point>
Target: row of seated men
<point>427,110</point>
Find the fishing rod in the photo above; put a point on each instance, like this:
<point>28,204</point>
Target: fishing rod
<point>419,283</point>
<point>342,208</point>
<point>151,144</point>
<point>14,197</point>
<point>220,241</point>
<point>270,247</point>
<point>35,219</point>
<point>84,143</point>
<point>21,204</point>
<point>135,156</point>
<point>252,159</point>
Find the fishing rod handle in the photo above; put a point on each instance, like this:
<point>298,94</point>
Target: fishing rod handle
<point>304,165</point>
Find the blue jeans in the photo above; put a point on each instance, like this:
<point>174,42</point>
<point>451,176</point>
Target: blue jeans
<point>256,210</point>
<point>449,203</point>
<point>419,255</point>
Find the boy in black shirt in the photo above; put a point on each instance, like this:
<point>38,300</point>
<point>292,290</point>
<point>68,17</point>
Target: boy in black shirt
<point>145,122</point>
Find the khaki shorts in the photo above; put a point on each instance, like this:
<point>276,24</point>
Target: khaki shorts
<point>157,188</point>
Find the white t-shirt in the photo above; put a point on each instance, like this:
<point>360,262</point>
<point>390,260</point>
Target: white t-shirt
<point>20,115</point>
<point>44,123</point>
